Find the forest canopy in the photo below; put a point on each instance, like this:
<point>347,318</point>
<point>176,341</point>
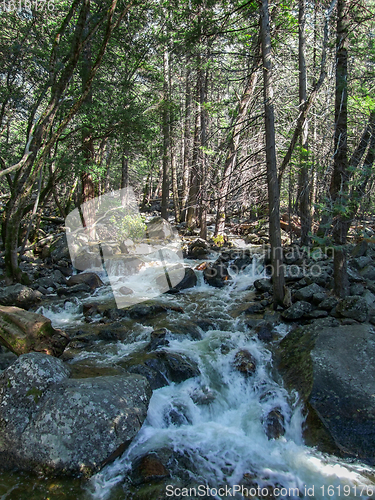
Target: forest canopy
<point>177,100</point>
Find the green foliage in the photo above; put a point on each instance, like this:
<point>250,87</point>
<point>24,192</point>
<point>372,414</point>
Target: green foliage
<point>129,226</point>
<point>219,240</point>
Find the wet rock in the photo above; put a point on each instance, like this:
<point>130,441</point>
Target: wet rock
<point>264,332</point>
<point>158,339</point>
<point>216,274</point>
<point>354,307</point>
<point>198,249</point>
<point>24,331</point>
<point>255,308</point>
<point>162,367</point>
<point>90,310</point>
<point>177,415</point>
<point>263,285</point>
<point>245,362</point>
<point>140,311</point>
<point>240,263</point>
<point>124,290</point>
<point>108,335</point>
<point>52,423</point>
<point>203,396</point>
<point>188,281</point>
<point>18,295</point>
<point>306,293</point>
<point>90,279</point>
<point>275,424</point>
<point>333,370</point>
<point>148,468</point>
<point>205,324</point>
<point>297,310</point>
<point>152,472</point>
<point>73,290</point>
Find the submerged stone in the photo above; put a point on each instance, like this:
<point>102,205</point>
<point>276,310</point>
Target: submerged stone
<point>244,362</point>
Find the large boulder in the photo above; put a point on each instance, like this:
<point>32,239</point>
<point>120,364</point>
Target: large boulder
<point>297,310</point>
<point>216,274</point>
<point>184,278</point>
<point>18,295</point>
<point>90,279</point>
<point>162,367</point>
<point>198,249</point>
<point>24,331</point>
<point>52,423</point>
<point>188,281</point>
<point>333,370</point>
<point>306,293</point>
<point>354,307</point>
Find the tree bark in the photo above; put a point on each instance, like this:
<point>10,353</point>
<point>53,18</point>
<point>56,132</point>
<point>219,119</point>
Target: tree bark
<point>272,179</point>
<point>186,146</point>
<point>304,177</point>
<point>194,170</point>
<point>340,175</point>
<point>166,138</point>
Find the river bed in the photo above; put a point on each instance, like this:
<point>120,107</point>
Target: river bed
<point>216,421</point>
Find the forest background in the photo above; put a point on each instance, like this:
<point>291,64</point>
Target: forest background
<point>216,108</point>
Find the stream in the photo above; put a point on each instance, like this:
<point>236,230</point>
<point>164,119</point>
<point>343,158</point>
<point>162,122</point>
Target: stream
<point>215,422</point>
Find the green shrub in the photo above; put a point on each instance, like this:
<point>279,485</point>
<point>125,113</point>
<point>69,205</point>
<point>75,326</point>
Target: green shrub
<point>129,226</point>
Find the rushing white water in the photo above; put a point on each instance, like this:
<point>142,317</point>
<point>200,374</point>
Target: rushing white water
<point>225,438</point>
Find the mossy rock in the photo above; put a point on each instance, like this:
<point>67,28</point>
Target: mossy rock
<point>24,331</point>
<point>333,370</point>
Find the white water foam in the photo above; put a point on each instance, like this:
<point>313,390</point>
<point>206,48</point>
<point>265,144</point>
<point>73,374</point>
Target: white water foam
<point>226,438</point>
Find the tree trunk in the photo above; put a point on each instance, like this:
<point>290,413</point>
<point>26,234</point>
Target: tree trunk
<point>304,178</point>
<point>124,177</point>
<point>202,208</point>
<point>186,147</point>
<point>88,185</point>
<point>340,175</point>
<point>194,170</point>
<point>272,179</point>
<point>166,138</point>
